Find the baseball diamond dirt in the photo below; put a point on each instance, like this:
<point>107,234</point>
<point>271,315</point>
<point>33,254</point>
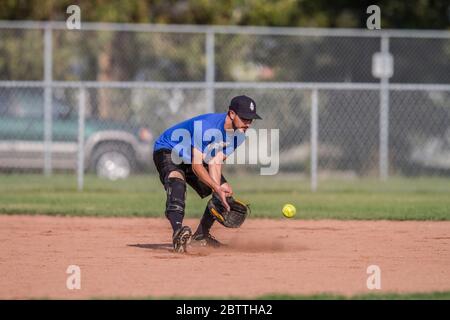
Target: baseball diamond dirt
<point>132,258</point>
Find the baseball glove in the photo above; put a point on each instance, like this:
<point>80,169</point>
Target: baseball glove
<point>230,219</point>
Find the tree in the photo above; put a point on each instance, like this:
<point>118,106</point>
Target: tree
<point>118,56</point>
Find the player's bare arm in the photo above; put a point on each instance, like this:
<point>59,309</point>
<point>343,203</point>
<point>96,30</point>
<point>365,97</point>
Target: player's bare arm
<point>215,171</point>
<point>213,177</point>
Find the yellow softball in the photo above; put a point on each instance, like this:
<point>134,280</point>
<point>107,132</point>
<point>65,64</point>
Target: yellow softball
<point>289,210</point>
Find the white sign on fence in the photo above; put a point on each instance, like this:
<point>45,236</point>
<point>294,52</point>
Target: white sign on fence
<point>382,65</point>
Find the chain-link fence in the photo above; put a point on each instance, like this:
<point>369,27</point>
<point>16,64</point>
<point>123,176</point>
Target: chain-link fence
<point>96,99</point>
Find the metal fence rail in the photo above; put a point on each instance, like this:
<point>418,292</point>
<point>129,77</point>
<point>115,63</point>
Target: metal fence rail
<point>86,99</point>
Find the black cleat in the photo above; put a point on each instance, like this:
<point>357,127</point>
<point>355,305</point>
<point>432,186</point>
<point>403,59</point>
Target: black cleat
<point>181,238</point>
<point>205,240</point>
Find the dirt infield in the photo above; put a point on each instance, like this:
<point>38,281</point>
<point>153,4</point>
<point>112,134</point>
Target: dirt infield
<point>131,257</point>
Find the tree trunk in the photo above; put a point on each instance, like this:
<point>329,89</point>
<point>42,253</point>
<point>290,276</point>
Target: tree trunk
<point>104,74</point>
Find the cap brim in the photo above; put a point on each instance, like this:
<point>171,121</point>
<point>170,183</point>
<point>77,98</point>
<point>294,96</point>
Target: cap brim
<point>249,116</point>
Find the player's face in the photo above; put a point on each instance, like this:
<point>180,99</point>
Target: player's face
<point>242,124</point>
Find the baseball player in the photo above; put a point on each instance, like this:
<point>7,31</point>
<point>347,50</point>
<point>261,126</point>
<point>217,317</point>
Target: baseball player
<point>200,165</point>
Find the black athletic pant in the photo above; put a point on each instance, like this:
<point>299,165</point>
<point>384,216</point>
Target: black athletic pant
<point>176,190</point>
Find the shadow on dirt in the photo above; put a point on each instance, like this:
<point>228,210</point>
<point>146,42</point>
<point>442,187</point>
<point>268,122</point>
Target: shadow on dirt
<point>153,246</point>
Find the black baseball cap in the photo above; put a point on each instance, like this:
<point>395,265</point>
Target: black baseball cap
<point>245,107</point>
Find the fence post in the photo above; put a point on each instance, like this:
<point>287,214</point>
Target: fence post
<point>210,70</point>
<point>48,94</point>
<point>384,117</point>
<point>314,137</point>
<point>80,153</point>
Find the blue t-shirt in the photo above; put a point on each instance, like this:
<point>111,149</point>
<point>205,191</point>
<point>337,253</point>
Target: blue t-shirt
<point>205,132</point>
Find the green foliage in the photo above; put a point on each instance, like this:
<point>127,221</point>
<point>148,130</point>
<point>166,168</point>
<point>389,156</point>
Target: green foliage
<point>77,56</point>
<point>21,56</point>
<point>130,56</point>
<point>417,14</point>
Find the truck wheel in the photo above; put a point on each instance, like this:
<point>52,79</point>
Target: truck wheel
<point>113,161</point>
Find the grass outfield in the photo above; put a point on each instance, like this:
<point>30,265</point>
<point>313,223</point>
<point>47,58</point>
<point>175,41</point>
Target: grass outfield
<point>397,199</point>
<point>370,296</point>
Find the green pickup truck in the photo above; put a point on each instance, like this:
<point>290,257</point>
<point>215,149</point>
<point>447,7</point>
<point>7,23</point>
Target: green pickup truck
<point>112,149</point>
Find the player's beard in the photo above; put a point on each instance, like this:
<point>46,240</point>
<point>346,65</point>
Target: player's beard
<point>240,129</point>
<point>234,126</point>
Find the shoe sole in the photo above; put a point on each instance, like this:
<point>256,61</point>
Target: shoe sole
<point>184,238</point>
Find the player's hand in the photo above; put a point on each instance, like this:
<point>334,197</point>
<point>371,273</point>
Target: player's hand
<point>222,194</point>
<point>226,186</point>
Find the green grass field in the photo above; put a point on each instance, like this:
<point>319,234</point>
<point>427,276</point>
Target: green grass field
<point>445,295</point>
<point>396,199</point>
<point>373,296</point>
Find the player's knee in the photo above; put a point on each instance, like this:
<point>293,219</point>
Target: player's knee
<point>176,174</point>
<point>176,195</point>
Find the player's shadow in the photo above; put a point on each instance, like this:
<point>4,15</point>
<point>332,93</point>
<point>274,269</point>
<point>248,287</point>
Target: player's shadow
<point>153,246</point>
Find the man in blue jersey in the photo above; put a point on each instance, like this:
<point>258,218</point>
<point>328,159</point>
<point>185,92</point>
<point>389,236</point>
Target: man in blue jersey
<point>193,152</point>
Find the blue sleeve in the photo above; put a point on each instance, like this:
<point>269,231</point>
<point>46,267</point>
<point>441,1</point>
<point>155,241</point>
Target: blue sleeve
<point>233,141</point>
